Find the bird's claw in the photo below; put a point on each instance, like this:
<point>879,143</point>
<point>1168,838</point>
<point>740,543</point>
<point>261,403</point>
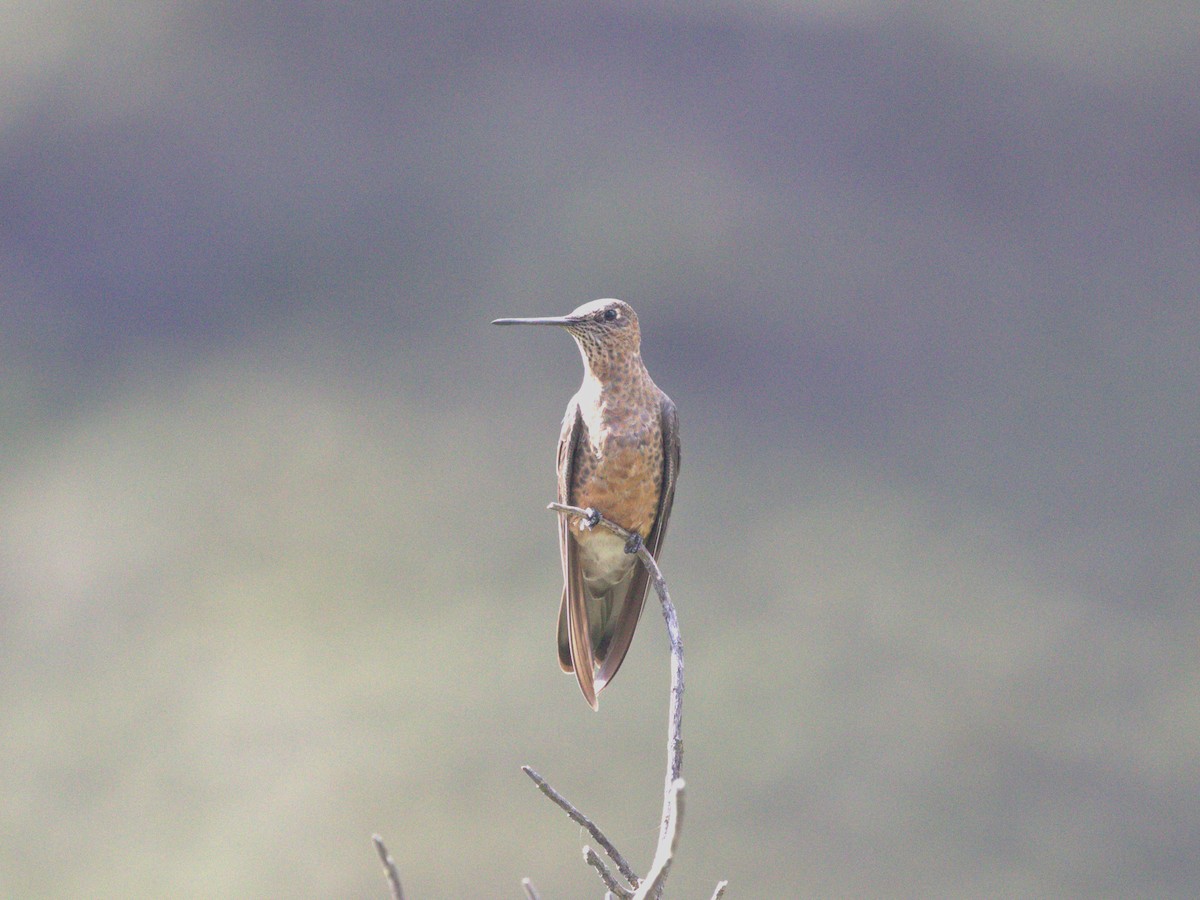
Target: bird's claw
<point>634,544</point>
<point>591,520</point>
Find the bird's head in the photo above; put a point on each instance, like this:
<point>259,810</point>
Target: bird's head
<point>602,328</point>
<point>605,324</point>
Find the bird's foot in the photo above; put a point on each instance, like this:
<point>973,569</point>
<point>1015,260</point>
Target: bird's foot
<point>634,544</point>
<point>591,520</point>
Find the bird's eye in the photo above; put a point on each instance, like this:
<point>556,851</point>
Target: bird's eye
<point>610,315</point>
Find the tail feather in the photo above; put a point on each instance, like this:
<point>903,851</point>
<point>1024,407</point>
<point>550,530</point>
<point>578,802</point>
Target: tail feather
<point>604,618</point>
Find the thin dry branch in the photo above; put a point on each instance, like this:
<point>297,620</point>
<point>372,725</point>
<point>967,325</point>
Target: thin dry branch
<point>614,887</point>
<point>530,891</point>
<point>720,891</point>
<point>579,818</point>
<point>389,866</point>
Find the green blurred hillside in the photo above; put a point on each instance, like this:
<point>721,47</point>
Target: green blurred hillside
<point>275,568</point>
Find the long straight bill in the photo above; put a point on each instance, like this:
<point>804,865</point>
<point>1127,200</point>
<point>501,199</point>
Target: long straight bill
<point>545,320</point>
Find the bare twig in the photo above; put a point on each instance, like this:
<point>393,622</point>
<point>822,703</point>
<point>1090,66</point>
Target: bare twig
<point>599,836</point>
<point>389,866</point>
<point>720,891</point>
<point>614,887</point>
<point>530,891</point>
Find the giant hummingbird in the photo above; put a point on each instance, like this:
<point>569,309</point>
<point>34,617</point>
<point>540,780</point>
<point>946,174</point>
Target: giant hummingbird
<point>618,456</point>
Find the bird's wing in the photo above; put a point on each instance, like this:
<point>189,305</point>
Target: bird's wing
<point>631,609</point>
<point>574,643</point>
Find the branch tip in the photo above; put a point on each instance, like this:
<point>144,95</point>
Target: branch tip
<point>389,868</point>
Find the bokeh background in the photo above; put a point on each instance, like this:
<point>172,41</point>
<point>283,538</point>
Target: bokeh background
<point>275,572</point>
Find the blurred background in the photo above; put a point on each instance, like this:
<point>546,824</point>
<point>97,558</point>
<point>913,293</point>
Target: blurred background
<point>275,569</point>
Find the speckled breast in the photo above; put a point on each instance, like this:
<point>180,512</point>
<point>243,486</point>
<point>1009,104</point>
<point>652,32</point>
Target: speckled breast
<point>620,475</point>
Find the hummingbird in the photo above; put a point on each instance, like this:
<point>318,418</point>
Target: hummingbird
<point>618,457</point>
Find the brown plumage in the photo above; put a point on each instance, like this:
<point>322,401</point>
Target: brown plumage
<point>618,454</point>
